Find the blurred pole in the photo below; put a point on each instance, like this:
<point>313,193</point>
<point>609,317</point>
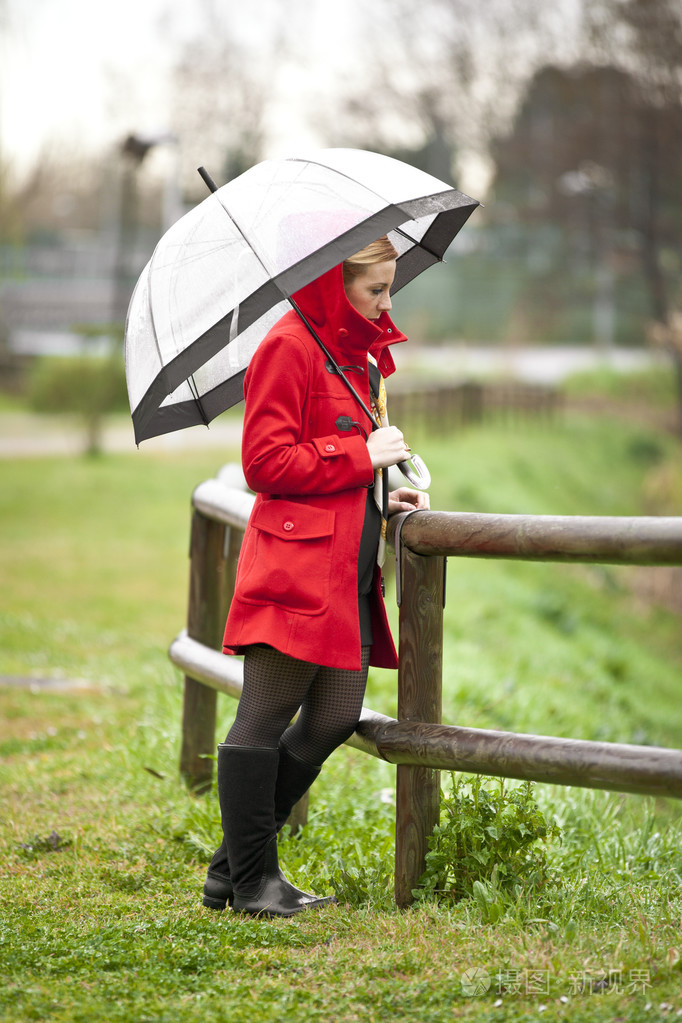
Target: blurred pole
<point>133,151</point>
<point>604,311</point>
<point>603,308</point>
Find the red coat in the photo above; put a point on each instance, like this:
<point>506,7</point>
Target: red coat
<point>297,584</point>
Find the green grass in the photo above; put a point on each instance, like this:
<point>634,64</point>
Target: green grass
<point>655,385</point>
<point>104,922</point>
<point>11,402</point>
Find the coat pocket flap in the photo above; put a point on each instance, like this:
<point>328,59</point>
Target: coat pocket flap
<point>291,521</point>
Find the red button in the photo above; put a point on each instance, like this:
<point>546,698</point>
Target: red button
<point>329,447</point>
<point>288,526</point>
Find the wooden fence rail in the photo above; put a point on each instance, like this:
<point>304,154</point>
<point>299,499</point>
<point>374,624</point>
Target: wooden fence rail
<point>615,540</point>
<point>417,742</point>
<point>644,770</point>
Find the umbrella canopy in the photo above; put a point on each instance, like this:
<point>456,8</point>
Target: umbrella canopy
<point>220,277</point>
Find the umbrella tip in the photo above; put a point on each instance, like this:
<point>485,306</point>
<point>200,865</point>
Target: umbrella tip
<point>208,180</point>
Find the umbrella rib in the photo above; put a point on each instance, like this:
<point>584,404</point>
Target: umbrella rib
<point>399,230</point>
<point>195,394</point>
<point>245,236</point>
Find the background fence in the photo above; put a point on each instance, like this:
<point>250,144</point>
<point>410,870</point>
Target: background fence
<point>441,407</point>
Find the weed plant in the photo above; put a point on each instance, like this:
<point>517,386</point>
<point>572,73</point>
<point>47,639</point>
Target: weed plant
<point>487,845</point>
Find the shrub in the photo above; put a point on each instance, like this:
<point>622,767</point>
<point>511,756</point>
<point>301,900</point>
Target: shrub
<point>87,386</point>
<point>486,844</point>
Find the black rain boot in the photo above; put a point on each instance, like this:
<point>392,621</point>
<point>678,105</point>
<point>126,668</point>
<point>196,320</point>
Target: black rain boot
<point>218,883</point>
<point>294,778</point>
<point>247,784</point>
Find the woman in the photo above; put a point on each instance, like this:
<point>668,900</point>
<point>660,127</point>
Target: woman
<point>308,611</point>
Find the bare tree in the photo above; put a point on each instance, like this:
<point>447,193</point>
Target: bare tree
<point>447,74</point>
<point>58,189</point>
<point>224,88</point>
<point>645,37</point>
<point>565,175</point>
<point>647,43</point>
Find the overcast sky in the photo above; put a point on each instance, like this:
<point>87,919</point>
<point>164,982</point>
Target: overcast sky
<point>79,75</point>
<point>81,72</point>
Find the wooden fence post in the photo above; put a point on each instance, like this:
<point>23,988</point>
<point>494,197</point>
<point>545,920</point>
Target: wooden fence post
<point>214,549</point>
<point>420,677</point>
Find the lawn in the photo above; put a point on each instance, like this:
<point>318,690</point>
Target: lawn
<point>105,850</point>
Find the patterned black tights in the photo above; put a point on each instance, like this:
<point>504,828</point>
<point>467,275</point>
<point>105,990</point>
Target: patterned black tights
<point>275,686</point>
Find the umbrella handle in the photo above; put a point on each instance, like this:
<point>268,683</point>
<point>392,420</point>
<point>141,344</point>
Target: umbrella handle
<point>414,469</point>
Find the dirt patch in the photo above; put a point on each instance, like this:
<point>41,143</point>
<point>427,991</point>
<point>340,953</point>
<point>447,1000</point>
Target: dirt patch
<point>642,412</point>
<point>52,685</point>
<point>661,585</point>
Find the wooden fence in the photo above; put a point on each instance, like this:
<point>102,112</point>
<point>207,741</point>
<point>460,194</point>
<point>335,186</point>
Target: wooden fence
<point>417,742</point>
<point>440,407</point>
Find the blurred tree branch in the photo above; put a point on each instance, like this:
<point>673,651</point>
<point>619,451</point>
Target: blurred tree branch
<point>448,74</point>
<point>648,42</point>
<point>644,37</point>
<point>224,88</point>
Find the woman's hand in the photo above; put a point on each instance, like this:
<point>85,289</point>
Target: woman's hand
<point>387,447</point>
<point>403,499</point>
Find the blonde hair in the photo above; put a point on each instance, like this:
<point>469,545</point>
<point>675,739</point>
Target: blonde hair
<point>380,251</point>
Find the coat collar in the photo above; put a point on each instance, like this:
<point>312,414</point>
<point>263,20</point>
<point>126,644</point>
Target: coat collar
<point>347,333</point>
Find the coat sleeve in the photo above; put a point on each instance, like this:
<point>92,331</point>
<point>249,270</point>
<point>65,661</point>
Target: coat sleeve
<point>278,455</point>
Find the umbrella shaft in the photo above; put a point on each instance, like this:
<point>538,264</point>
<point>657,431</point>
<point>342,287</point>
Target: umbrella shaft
<point>337,368</point>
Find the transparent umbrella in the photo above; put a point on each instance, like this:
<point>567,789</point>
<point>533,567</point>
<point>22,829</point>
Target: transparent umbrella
<point>222,276</point>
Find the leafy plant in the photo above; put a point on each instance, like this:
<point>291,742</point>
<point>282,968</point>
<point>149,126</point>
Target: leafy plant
<point>364,886</point>
<point>486,845</point>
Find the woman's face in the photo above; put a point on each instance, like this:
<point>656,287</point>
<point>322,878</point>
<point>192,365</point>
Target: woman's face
<point>369,293</point>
